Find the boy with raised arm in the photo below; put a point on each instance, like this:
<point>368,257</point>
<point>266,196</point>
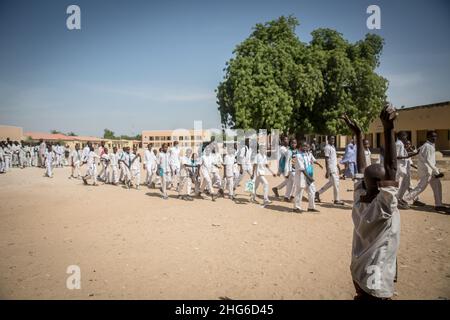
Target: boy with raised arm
<point>376,218</point>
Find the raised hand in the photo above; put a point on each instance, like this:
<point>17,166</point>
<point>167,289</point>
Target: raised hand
<point>388,115</point>
<point>352,124</point>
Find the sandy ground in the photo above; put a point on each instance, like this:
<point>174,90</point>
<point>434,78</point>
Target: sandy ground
<point>131,244</point>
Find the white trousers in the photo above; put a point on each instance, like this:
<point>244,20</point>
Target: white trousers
<point>263,180</point>
<point>206,182</point>
<point>229,185</point>
<point>48,170</point>
<point>311,190</point>
<point>114,174</point>
<point>76,170</point>
<point>185,181</point>
<point>290,186</point>
<point>424,180</point>
<point>333,181</point>
<point>136,176</point>
<point>404,182</point>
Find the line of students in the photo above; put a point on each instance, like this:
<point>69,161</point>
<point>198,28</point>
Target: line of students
<point>23,154</point>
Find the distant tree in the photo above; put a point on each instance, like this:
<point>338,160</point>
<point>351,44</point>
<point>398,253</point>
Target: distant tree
<point>108,134</point>
<point>55,131</point>
<point>71,134</point>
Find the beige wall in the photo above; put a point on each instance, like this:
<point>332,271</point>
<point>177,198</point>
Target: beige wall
<point>417,121</point>
<point>186,138</point>
<point>11,132</point>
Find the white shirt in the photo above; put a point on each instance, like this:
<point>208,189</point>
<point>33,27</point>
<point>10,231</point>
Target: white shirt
<point>330,152</point>
<point>149,159</point>
<point>261,161</point>
<point>163,161</point>
<point>85,153</point>
<point>48,157</point>
<point>206,162</point>
<point>75,156</point>
<point>105,159</point>
<point>114,158</point>
<point>174,156</point>
<point>244,157</point>
<point>401,152</point>
<point>368,154</point>
<point>184,172</point>
<point>91,159</point>
<point>216,161</point>
<point>283,153</point>
<point>136,164</point>
<point>427,159</point>
<point>376,238</point>
<point>229,161</point>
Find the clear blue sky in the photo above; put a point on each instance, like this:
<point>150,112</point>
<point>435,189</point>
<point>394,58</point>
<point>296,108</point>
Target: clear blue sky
<point>155,64</point>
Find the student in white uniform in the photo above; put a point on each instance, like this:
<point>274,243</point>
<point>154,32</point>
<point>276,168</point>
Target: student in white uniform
<point>48,160</point>
<point>259,171</point>
<point>283,155</point>
<point>85,155</point>
<point>229,163</point>
<point>206,163</point>
<point>428,174</point>
<point>332,172</point>
<point>367,153</point>
<point>135,167</point>
<point>149,164</point>
<point>163,169</point>
<point>59,152</point>
<point>75,160</point>
<point>2,157</point>
<point>91,167</point>
<point>403,169</point>
<point>376,218</point>
<point>105,160</point>
<point>244,160</point>
<point>35,156</point>
<point>7,156</point>
<point>289,170</point>
<point>217,164</point>
<point>303,163</point>
<point>174,162</point>
<point>114,163</point>
<point>22,155</point>
<point>124,163</point>
<point>41,153</point>
<point>185,177</point>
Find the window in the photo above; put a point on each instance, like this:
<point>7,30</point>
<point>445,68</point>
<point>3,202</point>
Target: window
<point>156,138</point>
<point>192,138</point>
<point>181,138</point>
<point>150,138</point>
<point>168,139</point>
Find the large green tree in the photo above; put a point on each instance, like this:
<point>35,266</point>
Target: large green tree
<point>275,81</point>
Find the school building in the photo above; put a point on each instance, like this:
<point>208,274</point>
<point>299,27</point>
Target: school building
<point>17,134</point>
<point>416,121</point>
<point>186,138</point>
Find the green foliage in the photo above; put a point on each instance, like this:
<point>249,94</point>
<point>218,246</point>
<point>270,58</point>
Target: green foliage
<point>55,131</point>
<point>71,134</point>
<point>275,81</point>
<point>108,134</point>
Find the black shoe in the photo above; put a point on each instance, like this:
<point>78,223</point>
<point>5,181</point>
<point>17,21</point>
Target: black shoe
<point>296,210</point>
<point>419,203</point>
<point>317,197</point>
<point>340,203</point>
<point>313,210</point>
<point>275,192</point>
<point>442,209</point>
